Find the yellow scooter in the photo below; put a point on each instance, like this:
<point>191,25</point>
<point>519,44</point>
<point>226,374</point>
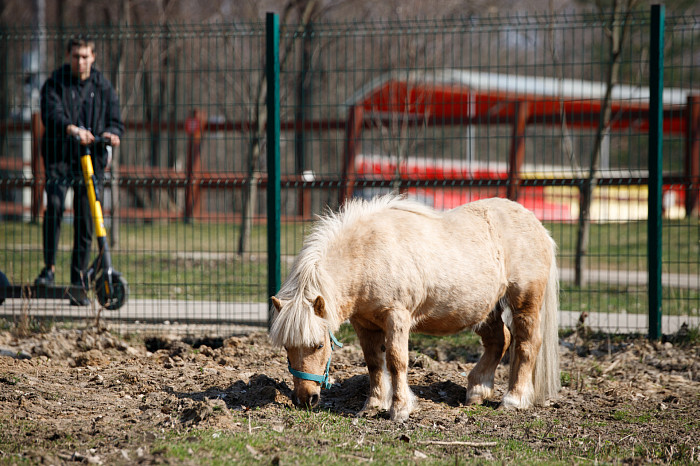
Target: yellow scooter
<point>111,288</point>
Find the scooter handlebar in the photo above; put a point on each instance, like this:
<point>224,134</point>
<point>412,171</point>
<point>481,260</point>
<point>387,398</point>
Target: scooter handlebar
<point>102,140</point>
<point>99,140</point>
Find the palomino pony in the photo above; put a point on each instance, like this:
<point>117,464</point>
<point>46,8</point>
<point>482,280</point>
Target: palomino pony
<point>393,266</point>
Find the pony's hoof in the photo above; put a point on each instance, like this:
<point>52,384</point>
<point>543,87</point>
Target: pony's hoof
<point>399,415</point>
<point>511,402</point>
<point>478,393</point>
<point>372,407</point>
<point>368,412</point>
<point>507,407</point>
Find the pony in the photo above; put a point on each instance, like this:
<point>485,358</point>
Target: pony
<point>392,266</point>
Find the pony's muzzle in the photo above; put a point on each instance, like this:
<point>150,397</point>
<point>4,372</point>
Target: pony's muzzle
<point>309,401</point>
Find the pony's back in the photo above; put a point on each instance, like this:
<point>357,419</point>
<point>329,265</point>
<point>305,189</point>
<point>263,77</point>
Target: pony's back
<point>392,252</point>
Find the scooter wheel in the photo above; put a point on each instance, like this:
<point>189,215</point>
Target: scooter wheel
<point>114,297</point>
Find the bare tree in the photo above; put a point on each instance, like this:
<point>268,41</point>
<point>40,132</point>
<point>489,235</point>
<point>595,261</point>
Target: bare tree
<point>405,54</point>
<point>307,9</point>
<point>616,37</point>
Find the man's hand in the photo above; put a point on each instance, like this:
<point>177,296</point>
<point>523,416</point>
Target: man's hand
<point>86,137</point>
<point>112,138</point>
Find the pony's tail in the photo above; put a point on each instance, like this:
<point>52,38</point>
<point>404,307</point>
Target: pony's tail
<point>546,377</point>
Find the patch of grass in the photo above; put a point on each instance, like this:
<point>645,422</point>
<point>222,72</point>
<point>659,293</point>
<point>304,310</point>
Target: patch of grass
<point>173,261</point>
<point>693,425</point>
<point>477,411</point>
<point>565,378</point>
<point>623,245</point>
<point>134,338</point>
<point>9,379</point>
<point>320,437</point>
<point>654,452</point>
<point>626,299</point>
<point>346,334</point>
<point>464,346</point>
<point>291,436</point>
<point>688,336</point>
<point>596,370</point>
<point>627,416</point>
<point>520,452</point>
<point>5,325</point>
<point>535,424</point>
<point>12,443</point>
<point>589,424</point>
<point>26,325</point>
<point>316,437</point>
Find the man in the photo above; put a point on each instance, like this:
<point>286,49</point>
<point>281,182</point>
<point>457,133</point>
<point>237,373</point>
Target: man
<point>77,102</point>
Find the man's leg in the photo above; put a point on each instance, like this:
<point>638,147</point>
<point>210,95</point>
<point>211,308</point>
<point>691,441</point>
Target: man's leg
<point>56,189</point>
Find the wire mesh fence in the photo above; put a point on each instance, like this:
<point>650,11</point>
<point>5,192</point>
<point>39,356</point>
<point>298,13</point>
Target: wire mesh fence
<point>444,111</point>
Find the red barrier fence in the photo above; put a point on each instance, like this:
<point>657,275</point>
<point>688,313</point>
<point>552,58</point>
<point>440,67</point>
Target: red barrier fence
<point>196,178</point>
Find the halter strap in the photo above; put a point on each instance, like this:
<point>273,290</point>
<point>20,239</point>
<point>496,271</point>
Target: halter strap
<point>322,379</point>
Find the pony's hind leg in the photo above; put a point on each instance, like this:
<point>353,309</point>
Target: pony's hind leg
<point>495,338</point>
<point>372,344</point>
<point>525,305</point>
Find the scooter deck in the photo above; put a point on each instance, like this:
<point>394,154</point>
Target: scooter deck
<point>42,292</point>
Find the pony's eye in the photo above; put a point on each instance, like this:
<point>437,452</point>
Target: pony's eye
<point>320,346</point>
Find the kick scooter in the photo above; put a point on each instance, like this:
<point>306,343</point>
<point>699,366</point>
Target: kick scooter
<point>110,287</point>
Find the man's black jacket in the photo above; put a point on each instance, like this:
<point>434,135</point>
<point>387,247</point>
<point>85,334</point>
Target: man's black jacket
<point>92,104</point>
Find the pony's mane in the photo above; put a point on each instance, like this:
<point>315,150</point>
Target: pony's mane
<point>296,324</point>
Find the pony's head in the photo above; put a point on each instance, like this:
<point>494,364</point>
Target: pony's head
<point>309,358</point>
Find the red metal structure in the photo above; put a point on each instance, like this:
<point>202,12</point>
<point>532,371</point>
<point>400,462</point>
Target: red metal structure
<point>455,97</point>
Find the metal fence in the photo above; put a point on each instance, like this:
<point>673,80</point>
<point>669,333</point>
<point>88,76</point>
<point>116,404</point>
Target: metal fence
<point>446,111</point>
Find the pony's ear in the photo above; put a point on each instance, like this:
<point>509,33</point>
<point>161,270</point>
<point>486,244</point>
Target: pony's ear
<point>277,303</point>
<point>320,307</point>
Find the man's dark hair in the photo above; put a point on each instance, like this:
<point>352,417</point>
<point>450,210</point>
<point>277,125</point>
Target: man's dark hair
<point>79,42</point>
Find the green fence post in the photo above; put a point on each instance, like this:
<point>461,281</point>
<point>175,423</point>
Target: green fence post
<point>654,224</point>
<point>272,71</point>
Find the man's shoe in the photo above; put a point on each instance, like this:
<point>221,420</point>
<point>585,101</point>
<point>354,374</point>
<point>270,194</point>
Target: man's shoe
<point>45,278</point>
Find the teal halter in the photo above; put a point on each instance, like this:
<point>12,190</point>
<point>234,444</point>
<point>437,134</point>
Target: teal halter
<point>322,379</point>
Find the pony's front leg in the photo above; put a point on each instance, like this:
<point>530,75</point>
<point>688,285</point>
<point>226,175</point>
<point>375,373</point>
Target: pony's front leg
<point>372,343</point>
<point>398,326</point>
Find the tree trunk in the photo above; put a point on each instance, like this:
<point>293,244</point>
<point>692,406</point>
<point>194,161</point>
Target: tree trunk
<point>304,102</point>
<point>616,35</point>
<point>250,196</point>
<point>250,192</point>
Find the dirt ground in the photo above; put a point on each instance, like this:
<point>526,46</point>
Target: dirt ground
<point>63,391</point>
